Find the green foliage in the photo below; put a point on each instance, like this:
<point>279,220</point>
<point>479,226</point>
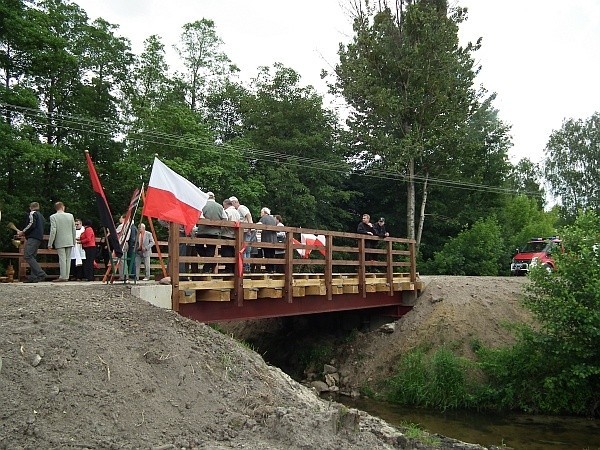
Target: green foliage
<point>414,431</point>
<point>572,164</point>
<point>525,179</point>
<point>287,127</point>
<point>556,368</point>
<point>475,251</point>
<point>438,381</point>
<point>315,356</point>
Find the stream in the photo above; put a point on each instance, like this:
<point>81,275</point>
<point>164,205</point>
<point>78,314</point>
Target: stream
<point>521,432</point>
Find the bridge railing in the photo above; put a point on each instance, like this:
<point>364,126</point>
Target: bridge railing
<point>330,252</point>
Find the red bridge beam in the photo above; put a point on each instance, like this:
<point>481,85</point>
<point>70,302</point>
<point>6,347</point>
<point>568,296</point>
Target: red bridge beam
<point>309,304</point>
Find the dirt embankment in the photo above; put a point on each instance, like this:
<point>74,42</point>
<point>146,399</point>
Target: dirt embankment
<point>89,366</point>
<point>452,311</point>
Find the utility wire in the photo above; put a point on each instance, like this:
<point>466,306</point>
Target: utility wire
<point>101,128</point>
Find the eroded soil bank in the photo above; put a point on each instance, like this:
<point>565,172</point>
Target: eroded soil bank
<point>89,366</point>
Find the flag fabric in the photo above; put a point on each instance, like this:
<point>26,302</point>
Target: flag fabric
<point>106,219</point>
<point>310,239</point>
<point>172,198</point>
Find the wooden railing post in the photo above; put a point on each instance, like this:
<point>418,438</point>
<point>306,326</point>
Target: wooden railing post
<point>390,267</point>
<point>413,262</point>
<point>329,264</point>
<point>238,276</point>
<point>22,270</point>
<point>174,264</point>
<point>289,267</point>
<point>361,267</point>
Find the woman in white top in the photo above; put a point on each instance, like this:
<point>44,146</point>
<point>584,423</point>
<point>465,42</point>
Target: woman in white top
<point>77,253</point>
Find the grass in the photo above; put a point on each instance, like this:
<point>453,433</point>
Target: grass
<point>414,431</point>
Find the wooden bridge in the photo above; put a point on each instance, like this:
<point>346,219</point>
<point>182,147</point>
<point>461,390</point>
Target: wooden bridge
<point>315,271</point>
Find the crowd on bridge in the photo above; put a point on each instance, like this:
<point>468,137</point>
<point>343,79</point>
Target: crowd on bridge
<point>75,241</point>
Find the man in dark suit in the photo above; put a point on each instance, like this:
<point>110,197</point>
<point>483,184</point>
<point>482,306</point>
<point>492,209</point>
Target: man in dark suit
<point>33,231</point>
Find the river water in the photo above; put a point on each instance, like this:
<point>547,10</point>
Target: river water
<point>521,432</point>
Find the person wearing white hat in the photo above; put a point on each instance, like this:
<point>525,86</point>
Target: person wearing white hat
<point>249,235</point>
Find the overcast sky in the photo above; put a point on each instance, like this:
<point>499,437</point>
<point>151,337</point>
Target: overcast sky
<point>541,57</point>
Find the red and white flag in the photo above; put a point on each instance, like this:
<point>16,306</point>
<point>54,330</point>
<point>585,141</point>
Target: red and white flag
<point>172,198</point>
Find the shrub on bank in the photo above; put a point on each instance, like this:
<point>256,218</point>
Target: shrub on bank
<point>441,380</point>
<point>553,369</point>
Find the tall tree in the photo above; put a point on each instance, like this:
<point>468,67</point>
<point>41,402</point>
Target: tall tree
<point>206,64</point>
<point>572,164</point>
<point>295,151</point>
<point>409,84</point>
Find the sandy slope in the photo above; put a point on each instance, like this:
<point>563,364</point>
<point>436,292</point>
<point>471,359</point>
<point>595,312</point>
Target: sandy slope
<point>453,311</point>
<point>89,366</point>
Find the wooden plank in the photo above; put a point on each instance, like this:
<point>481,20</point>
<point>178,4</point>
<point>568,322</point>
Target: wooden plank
<point>214,295</point>
<point>316,290</point>
<point>186,296</point>
<point>207,285</point>
<point>250,294</point>
<point>350,289</point>
<point>337,290</point>
<point>384,287</point>
<point>298,291</point>
<point>308,282</point>
<point>270,292</point>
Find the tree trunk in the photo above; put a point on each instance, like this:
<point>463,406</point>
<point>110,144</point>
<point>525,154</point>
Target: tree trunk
<point>422,216</point>
<point>410,201</point>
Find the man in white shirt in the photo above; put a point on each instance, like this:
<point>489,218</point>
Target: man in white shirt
<point>249,235</point>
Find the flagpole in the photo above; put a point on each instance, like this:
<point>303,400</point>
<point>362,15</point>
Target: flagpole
<point>160,258</point>
<point>135,243</point>
<point>105,215</point>
<point>111,265</point>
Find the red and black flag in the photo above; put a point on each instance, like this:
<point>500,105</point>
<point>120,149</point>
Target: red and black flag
<point>106,219</point>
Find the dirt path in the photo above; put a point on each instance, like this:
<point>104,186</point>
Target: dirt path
<point>90,366</point>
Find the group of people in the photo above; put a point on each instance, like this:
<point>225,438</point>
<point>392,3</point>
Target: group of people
<point>75,243</point>
<point>231,210</point>
<point>377,229</point>
<point>136,244</point>
<point>72,239</point>
<point>75,240</point>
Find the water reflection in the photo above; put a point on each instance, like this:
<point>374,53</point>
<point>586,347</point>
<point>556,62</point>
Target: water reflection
<point>517,431</point>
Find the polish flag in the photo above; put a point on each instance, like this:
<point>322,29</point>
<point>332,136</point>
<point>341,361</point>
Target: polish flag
<point>310,239</point>
<point>172,198</point>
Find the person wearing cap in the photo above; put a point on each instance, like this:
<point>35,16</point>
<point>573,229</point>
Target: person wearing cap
<point>379,228</point>
<point>249,235</point>
<point>211,211</point>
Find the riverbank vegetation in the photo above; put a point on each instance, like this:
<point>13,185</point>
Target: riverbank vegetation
<point>553,368</point>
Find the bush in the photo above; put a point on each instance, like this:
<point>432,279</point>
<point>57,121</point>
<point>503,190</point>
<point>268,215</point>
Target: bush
<point>556,369</point>
<point>438,381</point>
<point>475,251</point>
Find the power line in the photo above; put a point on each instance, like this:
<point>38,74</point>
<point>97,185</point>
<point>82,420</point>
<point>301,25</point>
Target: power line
<point>100,128</point>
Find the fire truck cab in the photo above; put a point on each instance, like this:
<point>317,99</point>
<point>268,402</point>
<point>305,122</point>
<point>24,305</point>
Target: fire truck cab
<point>538,251</point>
